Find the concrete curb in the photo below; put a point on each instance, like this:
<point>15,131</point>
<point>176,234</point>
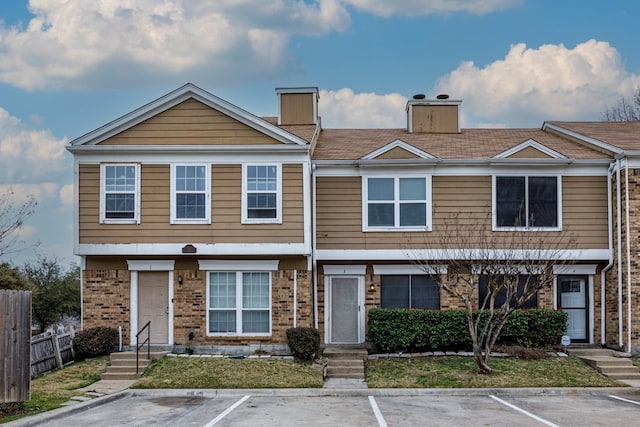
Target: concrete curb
<point>65,411</point>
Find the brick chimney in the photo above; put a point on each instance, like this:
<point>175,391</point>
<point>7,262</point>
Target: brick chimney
<point>297,105</point>
<point>440,115</point>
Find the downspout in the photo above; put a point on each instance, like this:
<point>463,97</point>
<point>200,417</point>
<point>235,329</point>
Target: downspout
<point>619,236</point>
<point>603,273</point>
<point>628,243</point>
<point>314,272</point>
<point>295,298</point>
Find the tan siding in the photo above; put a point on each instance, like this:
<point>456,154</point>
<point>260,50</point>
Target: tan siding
<point>296,108</point>
<point>226,224</point>
<point>435,118</point>
<point>529,153</point>
<point>339,213</point>
<point>190,123</point>
<point>397,153</point>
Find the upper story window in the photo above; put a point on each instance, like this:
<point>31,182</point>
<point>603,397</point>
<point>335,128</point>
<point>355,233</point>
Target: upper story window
<point>120,193</point>
<point>262,194</point>
<point>531,202</point>
<point>398,203</point>
<point>190,194</point>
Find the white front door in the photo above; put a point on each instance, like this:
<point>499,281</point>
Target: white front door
<point>346,310</point>
<point>573,300</point>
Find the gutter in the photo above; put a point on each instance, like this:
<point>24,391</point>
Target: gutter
<point>619,238</point>
<point>628,244</point>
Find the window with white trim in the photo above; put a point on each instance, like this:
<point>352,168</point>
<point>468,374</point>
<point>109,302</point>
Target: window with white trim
<point>120,193</point>
<point>190,194</point>
<point>239,303</point>
<point>531,202</point>
<point>262,194</point>
<point>396,203</point>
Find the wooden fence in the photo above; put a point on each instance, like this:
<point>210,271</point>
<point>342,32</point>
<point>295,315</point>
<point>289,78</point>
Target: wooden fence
<point>15,342</point>
<point>50,352</point>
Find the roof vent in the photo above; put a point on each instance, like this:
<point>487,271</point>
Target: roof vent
<point>442,96</point>
<point>419,96</point>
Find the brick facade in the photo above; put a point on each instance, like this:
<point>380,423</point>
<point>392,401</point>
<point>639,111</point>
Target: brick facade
<point>106,302</point>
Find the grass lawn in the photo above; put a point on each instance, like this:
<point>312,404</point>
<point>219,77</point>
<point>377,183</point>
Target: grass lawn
<point>51,389</point>
<point>461,372</point>
<point>200,372</point>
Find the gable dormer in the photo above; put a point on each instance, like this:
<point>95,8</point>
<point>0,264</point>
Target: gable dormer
<point>397,149</point>
<point>298,105</point>
<point>439,115</point>
<point>530,149</point>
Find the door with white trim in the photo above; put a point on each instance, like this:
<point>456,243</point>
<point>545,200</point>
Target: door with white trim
<point>573,299</point>
<point>153,305</point>
<point>346,309</point>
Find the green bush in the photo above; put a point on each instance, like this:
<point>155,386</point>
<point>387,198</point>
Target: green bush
<point>94,342</point>
<point>424,330</point>
<point>303,342</point>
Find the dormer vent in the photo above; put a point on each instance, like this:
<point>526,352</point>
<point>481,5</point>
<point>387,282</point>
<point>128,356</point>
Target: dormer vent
<point>440,115</point>
<point>297,105</point>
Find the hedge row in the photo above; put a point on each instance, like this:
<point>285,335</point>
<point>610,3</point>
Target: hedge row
<point>392,330</point>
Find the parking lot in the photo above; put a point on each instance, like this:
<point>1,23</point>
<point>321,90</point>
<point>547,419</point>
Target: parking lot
<point>363,408</point>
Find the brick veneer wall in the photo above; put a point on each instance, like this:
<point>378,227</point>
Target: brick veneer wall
<point>106,299</point>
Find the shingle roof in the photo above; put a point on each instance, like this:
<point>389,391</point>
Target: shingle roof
<point>301,131</point>
<point>352,144</point>
<point>624,135</point>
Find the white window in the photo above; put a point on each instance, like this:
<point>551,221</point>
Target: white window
<point>120,193</point>
<point>396,203</point>
<point>262,194</point>
<point>527,202</point>
<point>190,194</point>
<point>239,303</point>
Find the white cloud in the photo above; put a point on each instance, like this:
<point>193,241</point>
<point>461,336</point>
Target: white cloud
<point>27,154</point>
<point>79,44</point>
<point>24,232</point>
<point>21,192</point>
<point>552,82</point>
<point>426,7</point>
<point>344,108</point>
<point>66,196</point>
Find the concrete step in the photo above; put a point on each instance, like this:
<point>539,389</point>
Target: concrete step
<point>606,370</point>
<point>130,362</point>
<point>125,369</point>
<point>590,352</point>
<point>334,353</point>
<point>346,363</point>
<point>153,355</point>
<point>340,371</point>
<point>625,376</point>
<point>119,376</point>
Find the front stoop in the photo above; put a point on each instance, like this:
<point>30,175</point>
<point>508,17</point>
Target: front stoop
<point>345,362</point>
<point>611,363</point>
<point>123,364</point>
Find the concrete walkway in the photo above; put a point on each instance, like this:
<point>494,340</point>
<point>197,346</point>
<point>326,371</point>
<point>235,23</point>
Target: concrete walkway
<point>103,387</point>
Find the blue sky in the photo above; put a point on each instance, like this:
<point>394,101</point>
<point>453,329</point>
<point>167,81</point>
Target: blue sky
<point>67,68</point>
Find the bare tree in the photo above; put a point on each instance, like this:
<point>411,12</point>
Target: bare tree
<point>12,217</point>
<point>491,273</point>
<point>625,110</point>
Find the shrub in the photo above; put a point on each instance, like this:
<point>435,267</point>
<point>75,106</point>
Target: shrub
<point>406,330</point>
<point>303,342</point>
<point>94,342</point>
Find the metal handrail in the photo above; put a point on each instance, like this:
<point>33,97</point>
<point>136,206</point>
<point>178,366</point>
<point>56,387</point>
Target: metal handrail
<point>139,346</point>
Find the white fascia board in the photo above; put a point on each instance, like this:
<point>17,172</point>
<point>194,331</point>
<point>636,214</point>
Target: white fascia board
<point>333,270</point>
<point>238,265</point>
<point>213,158</point>
<point>174,98</point>
<point>196,149</point>
<point>150,265</point>
<point>174,249</point>
<point>398,143</point>
<point>581,269</point>
<point>530,143</point>
<point>443,255</point>
<point>301,89</point>
<point>582,137</point>
<point>442,168</point>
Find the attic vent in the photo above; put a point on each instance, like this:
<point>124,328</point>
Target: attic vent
<point>442,96</point>
<point>419,96</point>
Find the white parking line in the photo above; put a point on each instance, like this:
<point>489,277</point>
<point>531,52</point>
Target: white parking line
<point>376,411</point>
<point>226,412</point>
<point>528,414</point>
<point>624,400</point>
